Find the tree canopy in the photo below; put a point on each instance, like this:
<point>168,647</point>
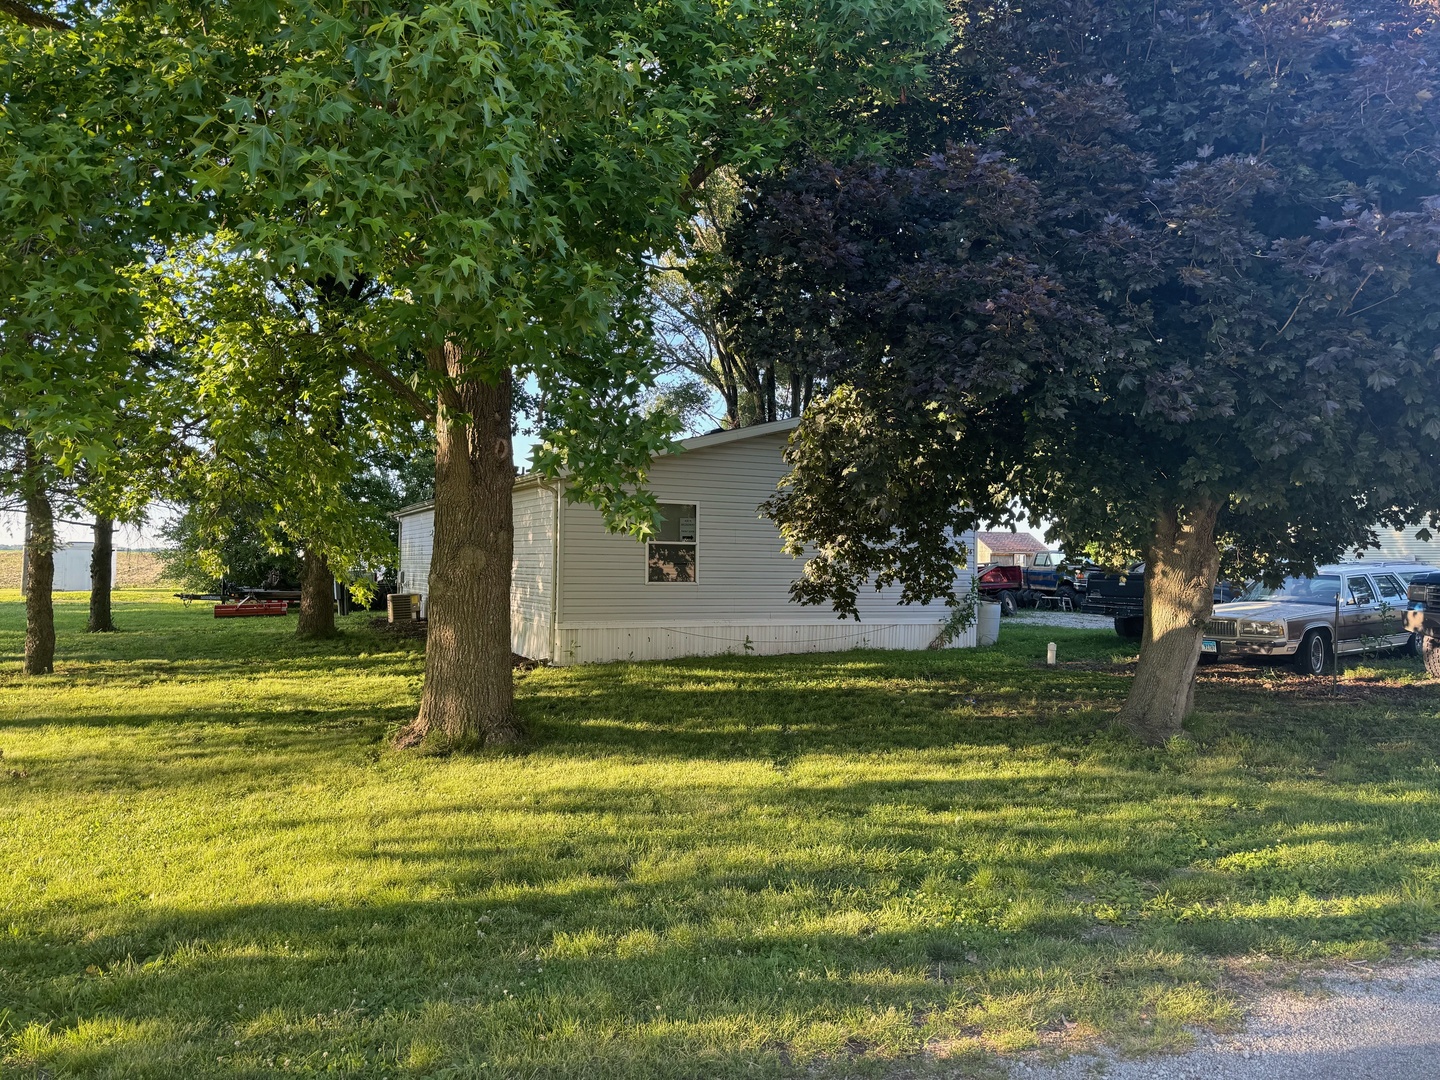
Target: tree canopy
<point>500,173</point>
<point>1174,293</point>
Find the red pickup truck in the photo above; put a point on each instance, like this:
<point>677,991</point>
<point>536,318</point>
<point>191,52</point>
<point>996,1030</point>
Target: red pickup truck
<point>1021,586</point>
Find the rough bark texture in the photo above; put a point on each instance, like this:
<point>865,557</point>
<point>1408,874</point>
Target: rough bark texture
<point>1180,572</point>
<point>101,564</point>
<point>317,598</point>
<point>469,696</point>
<point>39,569</point>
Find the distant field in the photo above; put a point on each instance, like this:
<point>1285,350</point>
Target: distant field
<point>133,570</point>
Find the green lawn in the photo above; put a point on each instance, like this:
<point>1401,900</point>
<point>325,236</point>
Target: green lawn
<point>843,864</point>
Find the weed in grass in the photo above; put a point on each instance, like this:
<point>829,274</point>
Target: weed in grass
<point>852,864</point>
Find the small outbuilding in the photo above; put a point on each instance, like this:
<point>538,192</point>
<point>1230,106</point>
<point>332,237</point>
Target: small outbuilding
<point>712,580</point>
<point>1005,548</point>
<point>72,566</point>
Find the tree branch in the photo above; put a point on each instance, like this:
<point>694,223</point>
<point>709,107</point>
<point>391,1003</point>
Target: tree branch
<point>403,390</point>
<point>28,16</point>
<point>698,175</point>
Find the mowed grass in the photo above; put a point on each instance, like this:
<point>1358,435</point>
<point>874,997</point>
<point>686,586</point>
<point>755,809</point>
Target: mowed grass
<point>854,864</point>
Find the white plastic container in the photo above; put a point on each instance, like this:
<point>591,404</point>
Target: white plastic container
<point>987,623</point>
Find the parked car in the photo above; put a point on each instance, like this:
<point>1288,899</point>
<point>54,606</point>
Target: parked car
<point>1422,617</point>
<point>1298,620</point>
<point>1121,597</point>
<point>1051,574</point>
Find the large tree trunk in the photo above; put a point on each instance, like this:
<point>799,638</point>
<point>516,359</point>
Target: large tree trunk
<point>469,696</point>
<point>39,568</point>
<point>317,597</point>
<point>101,581</point>
<point>1180,571</point>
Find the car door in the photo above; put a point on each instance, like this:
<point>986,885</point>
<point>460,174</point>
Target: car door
<point>1390,614</point>
<point>1359,614</point>
<point>1042,573</point>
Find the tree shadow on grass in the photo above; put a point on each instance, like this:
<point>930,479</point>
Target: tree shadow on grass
<point>714,868</point>
<point>567,964</point>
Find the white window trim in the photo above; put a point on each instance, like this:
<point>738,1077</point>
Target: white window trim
<point>645,563</point>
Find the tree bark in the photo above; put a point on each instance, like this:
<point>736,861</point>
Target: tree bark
<point>317,597</point>
<point>468,697</point>
<point>1181,567</point>
<point>39,568</point>
<point>101,580</point>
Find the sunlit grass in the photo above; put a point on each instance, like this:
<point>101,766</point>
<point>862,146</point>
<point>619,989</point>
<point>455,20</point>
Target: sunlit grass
<point>212,865</point>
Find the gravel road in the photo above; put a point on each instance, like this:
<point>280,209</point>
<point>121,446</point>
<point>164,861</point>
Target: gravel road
<point>1384,1026</point>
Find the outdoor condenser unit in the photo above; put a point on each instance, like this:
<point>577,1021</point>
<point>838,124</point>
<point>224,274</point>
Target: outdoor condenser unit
<point>402,607</point>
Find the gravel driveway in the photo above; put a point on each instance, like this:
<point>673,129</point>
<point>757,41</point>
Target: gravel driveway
<point>1072,619</point>
<point>1384,1026</point>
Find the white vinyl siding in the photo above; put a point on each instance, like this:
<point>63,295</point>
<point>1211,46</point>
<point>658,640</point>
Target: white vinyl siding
<point>1403,545</point>
<point>532,573</point>
<point>744,577</point>
<point>417,540</point>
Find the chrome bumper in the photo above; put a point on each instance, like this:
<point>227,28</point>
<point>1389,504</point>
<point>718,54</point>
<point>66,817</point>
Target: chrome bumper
<point>1252,648</point>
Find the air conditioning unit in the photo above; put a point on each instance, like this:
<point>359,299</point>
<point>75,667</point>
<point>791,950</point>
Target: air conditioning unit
<point>403,607</point>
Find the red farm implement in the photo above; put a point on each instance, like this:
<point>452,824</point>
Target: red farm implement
<point>249,607</point>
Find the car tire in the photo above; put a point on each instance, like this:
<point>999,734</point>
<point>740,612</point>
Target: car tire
<point>1314,657</point>
<point>1430,651</point>
<point>1413,646</point>
<point>1070,596</point>
<point>1130,627</point>
<point>1008,604</point>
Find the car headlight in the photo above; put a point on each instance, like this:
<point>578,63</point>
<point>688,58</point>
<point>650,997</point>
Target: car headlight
<point>1249,628</point>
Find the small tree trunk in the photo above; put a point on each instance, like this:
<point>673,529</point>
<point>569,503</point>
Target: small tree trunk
<point>468,697</point>
<point>317,597</point>
<point>101,580</point>
<point>1180,572</point>
<point>39,569</point>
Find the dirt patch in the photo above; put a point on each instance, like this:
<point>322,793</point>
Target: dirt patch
<point>1275,680</point>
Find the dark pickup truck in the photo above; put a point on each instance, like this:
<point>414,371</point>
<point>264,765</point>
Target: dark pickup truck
<point>1122,597</point>
<point>1422,618</point>
<point>1051,574</point>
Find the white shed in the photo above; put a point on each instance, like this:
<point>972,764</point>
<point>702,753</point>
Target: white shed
<point>713,579</point>
<point>72,566</point>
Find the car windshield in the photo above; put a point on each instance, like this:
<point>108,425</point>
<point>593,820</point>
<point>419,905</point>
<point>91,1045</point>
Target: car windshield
<point>1302,590</point>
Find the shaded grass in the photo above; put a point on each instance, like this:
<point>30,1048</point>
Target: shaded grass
<point>861,864</point>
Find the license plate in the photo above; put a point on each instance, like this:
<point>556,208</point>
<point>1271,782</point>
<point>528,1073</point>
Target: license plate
<point>1208,646</point>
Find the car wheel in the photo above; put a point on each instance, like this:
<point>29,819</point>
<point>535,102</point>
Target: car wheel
<point>1313,656</point>
<point>1070,597</point>
<point>1130,627</point>
<point>1008,604</point>
<point>1413,646</point>
<point>1430,650</point>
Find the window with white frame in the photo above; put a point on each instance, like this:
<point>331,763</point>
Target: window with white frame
<point>670,553</point>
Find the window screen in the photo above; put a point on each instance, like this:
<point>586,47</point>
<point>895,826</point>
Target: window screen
<point>670,554</point>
